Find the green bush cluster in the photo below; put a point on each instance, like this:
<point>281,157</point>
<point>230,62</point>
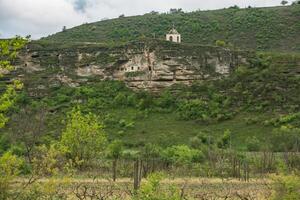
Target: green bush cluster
<point>154,190</point>
<point>289,119</point>
<point>286,187</point>
<point>214,109</point>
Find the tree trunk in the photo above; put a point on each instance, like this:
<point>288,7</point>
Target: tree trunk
<point>28,152</point>
<point>114,168</point>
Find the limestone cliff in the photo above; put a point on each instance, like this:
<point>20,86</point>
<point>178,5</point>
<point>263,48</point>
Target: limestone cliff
<point>148,65</point>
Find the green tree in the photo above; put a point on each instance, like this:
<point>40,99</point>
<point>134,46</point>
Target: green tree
<point>9,164</point>
<point>284,2</point>
<point>64,29</point>
<point>83,137</point>
<point>8,52</point>
<point>27,133</point>
<point>176,10</point>
<point>296,2</point>
<point>9,169</point>
<point>115,150</point>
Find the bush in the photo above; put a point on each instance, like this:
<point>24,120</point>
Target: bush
<point>182,155</point>
<point>165,100</point>
<point>202,140</point>
<point>286,187</point>
<point>225,141</point>
<point>9,168</point>
<point>285,139</point>
<point>153,190</point>
<point>220,43</point>
<point>214,108</point>
<point>193,109</point>
<point>195,142</point>
<point>253,144</point>
<point>4,143</point>
<point>51,189</point>
<point>146,101</point>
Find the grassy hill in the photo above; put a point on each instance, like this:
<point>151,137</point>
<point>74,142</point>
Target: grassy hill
<point>274,28</point>
<point>252,103</point>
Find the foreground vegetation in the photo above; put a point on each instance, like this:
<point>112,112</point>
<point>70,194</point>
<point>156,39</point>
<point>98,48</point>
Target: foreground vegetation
<point>244,127</point>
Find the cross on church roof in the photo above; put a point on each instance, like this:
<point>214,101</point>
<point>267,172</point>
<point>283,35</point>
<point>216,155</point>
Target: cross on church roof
<point>173,30</point>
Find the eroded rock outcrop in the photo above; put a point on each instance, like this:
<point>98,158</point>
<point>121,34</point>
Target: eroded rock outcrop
<point>142,65</point>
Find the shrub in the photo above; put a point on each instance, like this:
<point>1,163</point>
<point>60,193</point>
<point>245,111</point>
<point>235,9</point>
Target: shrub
<point>153,190</point>
<point>120,100</point>
<point>4,143</point>
<point>193,109</point>
<point>253,144</point>
<point>165,100</point>
<point>286,187</point>
<point>182,155</point>
<point>51,189</point>
<point>195,142</point>
<point>201,140</point>
<point>220,43</point>
<point>47,161</point>
<point>215,108</point>
<point>285,138</point>
<point>225,141</point>
<point>9,169</point>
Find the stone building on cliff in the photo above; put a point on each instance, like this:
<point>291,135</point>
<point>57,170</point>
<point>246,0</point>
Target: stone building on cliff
<point>173,36</point>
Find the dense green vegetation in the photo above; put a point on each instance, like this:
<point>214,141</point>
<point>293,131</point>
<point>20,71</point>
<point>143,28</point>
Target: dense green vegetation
<point>254,104</point>
<point>274,28</point>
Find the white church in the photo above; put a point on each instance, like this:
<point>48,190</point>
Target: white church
<point>173,36</point>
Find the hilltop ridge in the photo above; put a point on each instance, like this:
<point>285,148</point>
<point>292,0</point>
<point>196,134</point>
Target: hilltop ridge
<point>271,29</point>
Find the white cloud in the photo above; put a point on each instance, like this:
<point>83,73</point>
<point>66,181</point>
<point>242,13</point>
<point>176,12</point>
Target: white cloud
<point>42,17</point>
<point>37,17</point>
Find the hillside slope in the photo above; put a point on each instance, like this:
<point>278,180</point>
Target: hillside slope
<point>253,103</point>
<point>274,28</point>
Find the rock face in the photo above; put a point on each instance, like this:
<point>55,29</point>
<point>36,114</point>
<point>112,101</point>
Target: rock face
<point>142,65</point>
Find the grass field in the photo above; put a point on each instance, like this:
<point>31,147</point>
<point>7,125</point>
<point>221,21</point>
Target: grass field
<point>167,129</point>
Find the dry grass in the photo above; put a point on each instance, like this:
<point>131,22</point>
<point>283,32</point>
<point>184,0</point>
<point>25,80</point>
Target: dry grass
<point>192,188</point>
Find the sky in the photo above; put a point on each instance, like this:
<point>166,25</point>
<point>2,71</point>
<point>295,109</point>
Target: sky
<point>40,18</point>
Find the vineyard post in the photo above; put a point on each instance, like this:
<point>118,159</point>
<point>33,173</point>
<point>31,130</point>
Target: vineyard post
<point>136,173</point>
